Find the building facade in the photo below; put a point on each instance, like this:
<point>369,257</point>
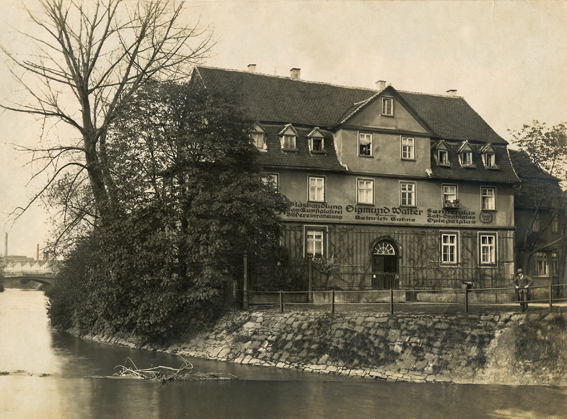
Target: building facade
<point>404,190</point>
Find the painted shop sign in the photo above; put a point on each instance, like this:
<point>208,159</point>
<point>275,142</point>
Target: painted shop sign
<point>372,214</point>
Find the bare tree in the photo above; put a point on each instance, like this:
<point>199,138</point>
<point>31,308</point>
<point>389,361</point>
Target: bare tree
<point>90,57</point>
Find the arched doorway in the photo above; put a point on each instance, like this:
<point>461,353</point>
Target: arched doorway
<point>385,265</point>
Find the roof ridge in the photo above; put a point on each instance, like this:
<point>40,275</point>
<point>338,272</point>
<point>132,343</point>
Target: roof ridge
<point>430,94</point>
<point>288,78</point>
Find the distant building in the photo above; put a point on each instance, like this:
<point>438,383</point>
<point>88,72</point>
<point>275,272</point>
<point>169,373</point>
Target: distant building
<point>540,222</point>
<point>407,190</point>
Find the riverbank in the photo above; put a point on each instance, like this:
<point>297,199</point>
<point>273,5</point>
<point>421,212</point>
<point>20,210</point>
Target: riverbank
<point>493,348</point>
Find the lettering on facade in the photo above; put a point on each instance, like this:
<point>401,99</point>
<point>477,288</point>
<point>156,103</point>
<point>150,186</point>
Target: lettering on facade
<point>440,216</point>
<point>313,210</point>
<point>372,214</point>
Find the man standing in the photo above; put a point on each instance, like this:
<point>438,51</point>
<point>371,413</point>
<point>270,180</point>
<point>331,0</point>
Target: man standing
<point>522,283</point>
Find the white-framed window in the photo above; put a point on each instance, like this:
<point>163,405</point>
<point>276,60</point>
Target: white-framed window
<point>449,248</point>
<point>314,241</point>
<point>489,160</point>
<point>316,141</point>
<point>407,194</point>
<point>541,264</point>
<point>259,139</point>
<point>288,142</point>
<point>316,189</point>
<point>365,191</point>
<point>449,193</point>
<point>467,158</point>
<point>443,158</point>
<point>365,144</point>
<point>387,106</point>
<point>271,179</point>
<point>487,249</point>
<point>408,148</point>
<point>488,199</point>
<point>555,224</point>
<point>536,227</point>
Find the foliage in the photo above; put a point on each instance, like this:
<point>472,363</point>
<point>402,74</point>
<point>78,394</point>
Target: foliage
<point>546,149</point>
<point>190,200</point>
<point>88,58</point>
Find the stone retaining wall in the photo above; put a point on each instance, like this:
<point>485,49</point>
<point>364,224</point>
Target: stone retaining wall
<point>401,347</point>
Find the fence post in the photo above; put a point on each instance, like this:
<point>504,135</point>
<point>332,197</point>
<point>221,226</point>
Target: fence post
<point>466,299</point>
<point>332,301</point>
<point>281,301</point>
<point>310,270</point>
<point>551,295</point>
<point>245,283</point>
<point>391,301</point>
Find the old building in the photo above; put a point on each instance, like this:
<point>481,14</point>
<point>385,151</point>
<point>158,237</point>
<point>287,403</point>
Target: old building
<point>405,190</point>
<point>540,220</point>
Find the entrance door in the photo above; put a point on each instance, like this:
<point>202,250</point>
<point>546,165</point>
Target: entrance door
<point>384,266</point>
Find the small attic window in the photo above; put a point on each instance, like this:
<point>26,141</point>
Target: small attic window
<point>387,106</point>
<point>466,155</point>
<point>258,137</point>
<point>443,158</point>
<point>316,141</point>
<point>288,137</point>
<point>489,157</point>
<point>489,160</point>
<point>288,142</point>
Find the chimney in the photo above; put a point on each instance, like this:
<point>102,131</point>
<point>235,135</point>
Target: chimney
<point>452,92</point>
<point>6,245</point>
<point>381,84</point>
<point>295,73</point>
<point>37,253</point>
<point>252,68</point>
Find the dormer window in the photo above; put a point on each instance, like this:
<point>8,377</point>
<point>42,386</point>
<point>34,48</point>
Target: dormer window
<point>489,157</point>
<point>442,156</point>
<point>288,136</point>
<point>258,137</point>
<point>466,155</point>
<point>387,106</point>
<point>316,141</point>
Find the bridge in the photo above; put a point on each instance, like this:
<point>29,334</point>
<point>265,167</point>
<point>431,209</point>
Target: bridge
<point>26,271</point>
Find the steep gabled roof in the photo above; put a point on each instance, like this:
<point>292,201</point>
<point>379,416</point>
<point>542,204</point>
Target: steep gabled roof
<point>283,100</point>
<point>451,117</point>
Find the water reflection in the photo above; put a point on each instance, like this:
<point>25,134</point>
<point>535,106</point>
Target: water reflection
<point>73,391</point>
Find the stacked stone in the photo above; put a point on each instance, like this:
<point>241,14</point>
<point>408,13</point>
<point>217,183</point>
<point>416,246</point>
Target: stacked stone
<point>401,347</point>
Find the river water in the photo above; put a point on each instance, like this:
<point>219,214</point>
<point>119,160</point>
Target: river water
<point>52,375</point>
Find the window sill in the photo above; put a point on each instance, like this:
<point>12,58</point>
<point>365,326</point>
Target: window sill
<point>468,166</point>
<point>388,116</point>
<point>492,167</point>
<point>365,156</point>
<point>316,202</point>
<point>408,159</point>
<point>366,204</point>
<point>408,206</point>
<point>488,210</point>
<point>317,151</point>
<point>449,264</point>
<point>292,150</point>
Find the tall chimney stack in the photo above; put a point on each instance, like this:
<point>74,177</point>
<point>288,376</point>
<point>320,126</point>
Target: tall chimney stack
<point>252,68</point>
<point>37,253</point>
<point>295,73</point>
<point>381,84</point>
<point>6,245</point>
<point>452,92</point>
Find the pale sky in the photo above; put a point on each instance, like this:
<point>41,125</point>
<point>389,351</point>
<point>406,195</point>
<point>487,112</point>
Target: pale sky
<point>508,59</point>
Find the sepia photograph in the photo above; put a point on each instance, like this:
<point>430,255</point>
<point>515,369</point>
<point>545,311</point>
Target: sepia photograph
<point>283,209</point>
